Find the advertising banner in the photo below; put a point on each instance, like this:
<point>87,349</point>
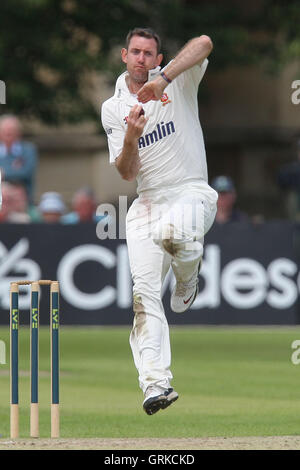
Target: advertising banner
<point>250,275</point>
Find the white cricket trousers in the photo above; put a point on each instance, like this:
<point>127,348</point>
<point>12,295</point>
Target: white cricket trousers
<point>181,215</point>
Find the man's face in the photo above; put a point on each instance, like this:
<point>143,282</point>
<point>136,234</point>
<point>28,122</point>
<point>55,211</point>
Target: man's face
<point>9,131</point>
<point>85,207</point>
<point>226,200</point>
<point>51,217</point>
<point>140,57</point>
<point>19,199</point>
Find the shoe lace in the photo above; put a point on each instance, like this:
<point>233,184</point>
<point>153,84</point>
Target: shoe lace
<point>182,287</point>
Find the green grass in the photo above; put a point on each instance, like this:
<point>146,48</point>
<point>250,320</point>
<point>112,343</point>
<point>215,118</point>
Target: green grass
<point>231,382</point>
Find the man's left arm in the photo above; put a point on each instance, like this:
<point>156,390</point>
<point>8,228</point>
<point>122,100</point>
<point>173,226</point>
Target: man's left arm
<point>194,52</point>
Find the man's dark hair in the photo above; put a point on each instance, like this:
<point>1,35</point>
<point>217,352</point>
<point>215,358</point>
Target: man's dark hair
<point>145,33</point>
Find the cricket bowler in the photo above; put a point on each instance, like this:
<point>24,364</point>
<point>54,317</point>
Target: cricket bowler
<point>155,137</point>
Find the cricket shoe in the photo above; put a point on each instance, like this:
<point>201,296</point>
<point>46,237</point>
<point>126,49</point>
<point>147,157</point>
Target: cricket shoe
<point>184,293</point>
<point>154,400</point>
<point>171,397</point>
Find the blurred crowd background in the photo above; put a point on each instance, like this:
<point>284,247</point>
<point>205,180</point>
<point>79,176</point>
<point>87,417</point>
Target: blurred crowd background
<point>59,60</point>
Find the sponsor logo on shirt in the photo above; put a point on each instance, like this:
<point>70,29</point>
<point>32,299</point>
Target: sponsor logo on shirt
<point>161,131</point>
<point>108,130</point>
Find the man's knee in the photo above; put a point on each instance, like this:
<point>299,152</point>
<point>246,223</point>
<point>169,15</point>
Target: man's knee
<point>145,304</point>
<point>184,251</point>
<point>138,306</point>
<point>164,236</point>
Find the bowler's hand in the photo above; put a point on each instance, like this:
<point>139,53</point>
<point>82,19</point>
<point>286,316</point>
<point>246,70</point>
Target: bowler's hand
<point>152,90</point>
<point>136,122</point>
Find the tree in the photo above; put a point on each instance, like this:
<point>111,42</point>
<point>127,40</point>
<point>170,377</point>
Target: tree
<point>49,47</point>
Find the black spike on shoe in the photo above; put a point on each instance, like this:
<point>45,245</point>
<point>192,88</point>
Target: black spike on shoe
<point>154,404</point>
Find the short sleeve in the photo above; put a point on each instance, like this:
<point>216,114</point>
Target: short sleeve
<point>191,78</point>
<point>197,72</point>
<point>114,131</point>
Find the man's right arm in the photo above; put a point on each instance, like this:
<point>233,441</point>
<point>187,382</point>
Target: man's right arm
<point>128,163</point>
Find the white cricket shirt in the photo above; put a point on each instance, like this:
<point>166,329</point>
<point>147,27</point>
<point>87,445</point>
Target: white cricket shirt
<point>171,148</point>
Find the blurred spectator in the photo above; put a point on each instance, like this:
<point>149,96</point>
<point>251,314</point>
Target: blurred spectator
<point>18,159</point>
<point>84,207</point>
<point>289,180</point>
<point>0,191</point>
<point>18,206</point>
<point>19,212</point>
<point>6,201</point>
<point>15,208</point>
<point>51,207</point>
<point>226,210</point>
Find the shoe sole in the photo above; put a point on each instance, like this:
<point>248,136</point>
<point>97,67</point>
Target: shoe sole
<point>173,396</point>
<point>152,405</point>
